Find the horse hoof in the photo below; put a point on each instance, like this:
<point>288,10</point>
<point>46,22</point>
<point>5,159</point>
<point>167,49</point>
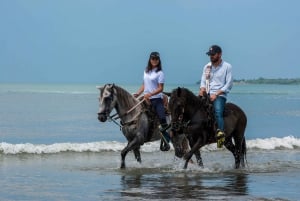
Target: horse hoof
<point>201,165</point>
<point>185,165</point>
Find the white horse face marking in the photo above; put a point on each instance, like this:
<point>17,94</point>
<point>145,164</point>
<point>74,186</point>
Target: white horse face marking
<point>107,100</point>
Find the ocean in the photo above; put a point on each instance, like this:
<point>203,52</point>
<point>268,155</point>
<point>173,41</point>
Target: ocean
<point>52,147</point>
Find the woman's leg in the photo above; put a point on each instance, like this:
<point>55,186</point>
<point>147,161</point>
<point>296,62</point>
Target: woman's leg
<point>158,105</point>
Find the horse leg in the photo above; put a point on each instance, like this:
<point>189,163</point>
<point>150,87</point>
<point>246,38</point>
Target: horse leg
<point>123,156</point>
<point>194,150</point>
<point>234,150</point>
<point>237,159</point>
<point>187,158</point>
<point>199,158</point>
<point>128,148</point>
<point>137,155</point>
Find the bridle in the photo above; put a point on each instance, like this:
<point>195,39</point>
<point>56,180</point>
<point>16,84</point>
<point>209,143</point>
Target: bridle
<point>106,111</point>
<point>179,123</point>
<point>117,116</point>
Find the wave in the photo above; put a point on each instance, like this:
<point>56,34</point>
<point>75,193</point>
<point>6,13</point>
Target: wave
<point>49,88</point>
<point>288,142</point>
<point>273,143</point>
<point>53,91</point>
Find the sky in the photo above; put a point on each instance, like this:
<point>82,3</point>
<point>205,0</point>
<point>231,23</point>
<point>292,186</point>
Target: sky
<point>109,41</point>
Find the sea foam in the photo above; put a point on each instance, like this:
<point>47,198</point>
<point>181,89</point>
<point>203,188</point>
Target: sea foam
<point>288,142</point>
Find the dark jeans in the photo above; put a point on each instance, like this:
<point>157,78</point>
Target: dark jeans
<point>158,105</point>
<point>219,105</point>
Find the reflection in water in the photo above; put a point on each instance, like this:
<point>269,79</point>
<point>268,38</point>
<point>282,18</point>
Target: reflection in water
<point>237,183</point>
<point>188,185</point>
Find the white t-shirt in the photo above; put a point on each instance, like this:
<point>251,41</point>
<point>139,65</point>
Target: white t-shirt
<point>151,81</point>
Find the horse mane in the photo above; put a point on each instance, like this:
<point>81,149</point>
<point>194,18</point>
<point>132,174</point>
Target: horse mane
<point>189,97</point>
<point>197,103</point>
<point>124,97</point>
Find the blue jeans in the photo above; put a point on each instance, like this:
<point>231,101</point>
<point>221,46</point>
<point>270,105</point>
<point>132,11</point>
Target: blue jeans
<point>219,105</point>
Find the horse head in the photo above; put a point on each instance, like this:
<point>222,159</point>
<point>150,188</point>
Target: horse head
<point>177,108</point>
<point>183,106</point>
<point>180,143</point>
<point>107,101</point>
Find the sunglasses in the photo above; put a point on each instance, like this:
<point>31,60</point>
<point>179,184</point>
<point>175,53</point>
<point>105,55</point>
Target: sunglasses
<point>154,58</point>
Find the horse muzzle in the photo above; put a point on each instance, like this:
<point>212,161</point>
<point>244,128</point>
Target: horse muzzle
<point>177,144</point>
<point>102,117</point>
<point>178,151</point>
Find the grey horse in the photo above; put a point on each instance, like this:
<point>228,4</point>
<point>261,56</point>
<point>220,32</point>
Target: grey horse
<point>138,122</point>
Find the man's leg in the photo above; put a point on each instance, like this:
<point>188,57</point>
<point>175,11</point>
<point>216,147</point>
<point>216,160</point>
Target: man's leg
<point>219,105</point>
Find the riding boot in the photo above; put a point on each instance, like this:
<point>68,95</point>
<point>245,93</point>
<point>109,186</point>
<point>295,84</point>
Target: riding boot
<point>165,138</point>
<point>220,136</point>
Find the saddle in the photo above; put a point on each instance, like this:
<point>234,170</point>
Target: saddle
<point>152,118</point>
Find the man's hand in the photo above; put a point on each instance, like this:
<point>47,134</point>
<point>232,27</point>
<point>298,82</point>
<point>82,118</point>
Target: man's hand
<point>213,97</point>
<point>202,91</point>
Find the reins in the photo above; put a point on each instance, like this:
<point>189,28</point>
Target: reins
<point>113,118</point>
<point>180,125</point>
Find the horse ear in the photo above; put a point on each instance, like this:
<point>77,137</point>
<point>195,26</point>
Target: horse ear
<point>100,87</point>
<point>178,91</point>
<point>110,86</point>
<point>167,93</point>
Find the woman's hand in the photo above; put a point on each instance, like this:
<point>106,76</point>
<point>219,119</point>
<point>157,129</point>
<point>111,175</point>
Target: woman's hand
<point>147,96</point>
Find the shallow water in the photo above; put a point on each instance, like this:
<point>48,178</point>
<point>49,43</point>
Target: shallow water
<point>53,148</point>
<point>97,176</point>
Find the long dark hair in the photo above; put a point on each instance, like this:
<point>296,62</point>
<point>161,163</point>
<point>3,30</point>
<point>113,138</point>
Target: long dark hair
<point>149,66</point>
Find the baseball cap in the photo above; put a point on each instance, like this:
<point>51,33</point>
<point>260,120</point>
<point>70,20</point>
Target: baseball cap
<point>214,49</point>
<point>154,54</point>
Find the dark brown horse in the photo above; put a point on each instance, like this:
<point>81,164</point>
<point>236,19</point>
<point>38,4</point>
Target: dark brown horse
<point>193,116</point>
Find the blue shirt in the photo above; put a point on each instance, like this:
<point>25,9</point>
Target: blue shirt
<point>220,78</point>
<point>151,81</point>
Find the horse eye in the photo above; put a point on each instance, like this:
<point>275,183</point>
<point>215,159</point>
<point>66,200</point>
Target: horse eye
<point>108,99</point>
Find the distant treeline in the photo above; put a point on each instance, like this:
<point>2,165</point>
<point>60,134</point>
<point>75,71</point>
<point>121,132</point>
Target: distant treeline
<point>269,81</point>
<point>262,80</point>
